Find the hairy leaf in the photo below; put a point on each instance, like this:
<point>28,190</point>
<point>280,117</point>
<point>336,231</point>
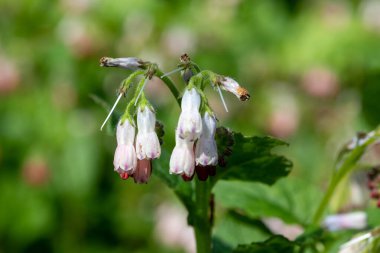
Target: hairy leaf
<point>283,200</point>
<point>251,159</point>
<point>274,244</point>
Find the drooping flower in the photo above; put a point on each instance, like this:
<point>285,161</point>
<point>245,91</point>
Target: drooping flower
<point>182,159</point>
<point>206,152</point>
<point>131,63</point>
<point>147,143</point>
<point>125,155</point>
<point>143,171</point>
<point>230,85</point>
<point>190,121</point>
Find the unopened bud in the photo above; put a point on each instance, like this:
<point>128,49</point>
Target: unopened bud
<point>130,63</point>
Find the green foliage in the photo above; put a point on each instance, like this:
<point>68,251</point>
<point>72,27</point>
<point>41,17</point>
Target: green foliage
<point>370,100</point>
<point>274,244</point>
<point>71,201</point>
<point>283,200</point>
<point>252,160</point>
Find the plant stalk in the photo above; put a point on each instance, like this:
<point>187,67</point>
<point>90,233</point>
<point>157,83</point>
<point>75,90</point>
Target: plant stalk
<point>341,172</point>
<point>170,85</point>
<point>202,225</point>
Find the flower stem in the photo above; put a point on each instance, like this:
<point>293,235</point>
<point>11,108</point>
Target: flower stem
<point>342,170</point>
<point>202,225</point>
<point>170,85</point>
<point>326,199</point>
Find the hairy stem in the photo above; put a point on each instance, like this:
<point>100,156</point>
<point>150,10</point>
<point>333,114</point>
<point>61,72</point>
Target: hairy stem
<point>342,170</point>
<point>202,225</point>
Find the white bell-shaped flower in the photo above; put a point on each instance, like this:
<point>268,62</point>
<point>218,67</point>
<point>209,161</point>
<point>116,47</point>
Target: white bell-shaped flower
<point>190,121</point>
<point>206,152</point>
<point>230,85</point>
<point>125,154</point>
<point>147,143</point>
<point>182,158</point>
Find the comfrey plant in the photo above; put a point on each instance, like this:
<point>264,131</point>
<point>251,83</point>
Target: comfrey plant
<point>200,147</point>
<point>196,149</point>
<point>215,153</point>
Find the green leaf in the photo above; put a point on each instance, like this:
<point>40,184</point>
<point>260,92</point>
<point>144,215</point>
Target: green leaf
<point>274,244</point>
<point>252,160</point>
<point>283,200</point>
<point>370,100</point>
<point>218,246</point>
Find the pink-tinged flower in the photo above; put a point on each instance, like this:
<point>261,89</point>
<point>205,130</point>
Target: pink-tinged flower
<point>206,152</point>
<point>143,171</point>
<point>230,85</point>
<point>354,220</point>
<point>130,63</point>
<point>125,155</point>
<point>182,158</point>
<point>190,121</point>
<point>147,143</point>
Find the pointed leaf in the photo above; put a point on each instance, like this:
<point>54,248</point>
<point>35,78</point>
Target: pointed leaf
<point>252,159</point>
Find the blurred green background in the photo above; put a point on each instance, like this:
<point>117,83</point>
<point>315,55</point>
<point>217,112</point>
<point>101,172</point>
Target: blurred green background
<point>312,68</point>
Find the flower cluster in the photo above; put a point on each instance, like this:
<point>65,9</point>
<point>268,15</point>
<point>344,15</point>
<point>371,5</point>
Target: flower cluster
<point>133,155</point>
<point>194,133</point>
<point>195,150</point>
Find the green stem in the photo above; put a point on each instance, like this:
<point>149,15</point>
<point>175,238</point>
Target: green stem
<point>341,172</point>
<point>202,225</point>
<point>326,199</point>
<point>170,85</point>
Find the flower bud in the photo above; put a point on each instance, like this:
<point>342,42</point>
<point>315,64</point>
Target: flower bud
<point>190,121</point>
<point>130,63</point>
<point>143,171</point>
<point>206,152</point>
<point>147,143</point>
<point>182,158</point>
<point>125,154</point>
<point>230,85</point>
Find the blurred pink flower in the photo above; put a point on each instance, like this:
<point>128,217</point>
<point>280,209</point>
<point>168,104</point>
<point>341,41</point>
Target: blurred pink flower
<point>277,226</point>
<point>172,229</point>
<point>36,172</point>
<point>354,220</point>
<point>320,83</point>
<point>9,76</point>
